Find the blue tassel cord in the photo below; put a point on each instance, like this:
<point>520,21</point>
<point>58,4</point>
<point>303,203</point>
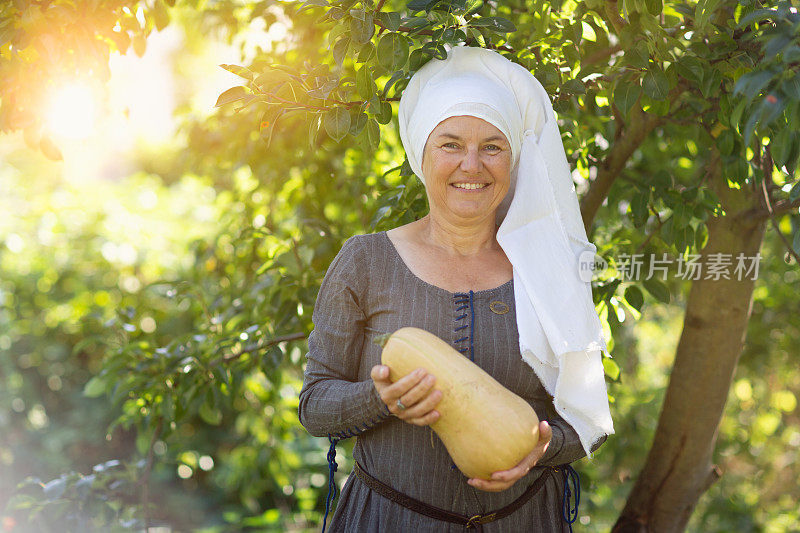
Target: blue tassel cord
<point>569,510</point>
<point>332,489</point>
<point>333,438</point>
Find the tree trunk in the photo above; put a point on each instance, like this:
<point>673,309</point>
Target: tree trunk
<point>679,468</point>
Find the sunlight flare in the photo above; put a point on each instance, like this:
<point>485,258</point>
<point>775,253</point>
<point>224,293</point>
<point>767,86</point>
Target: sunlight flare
<point>72,111</point>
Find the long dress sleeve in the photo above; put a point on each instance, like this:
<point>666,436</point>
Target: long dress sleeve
<point>333,402</point>
<point>565,445</point>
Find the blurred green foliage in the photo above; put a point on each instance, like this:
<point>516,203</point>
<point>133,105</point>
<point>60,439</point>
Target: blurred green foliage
<point>161,321</point>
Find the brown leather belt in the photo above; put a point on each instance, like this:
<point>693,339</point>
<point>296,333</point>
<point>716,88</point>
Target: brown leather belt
<point>442,514</point>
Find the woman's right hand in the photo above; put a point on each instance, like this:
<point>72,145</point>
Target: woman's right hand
<point>415,391</point>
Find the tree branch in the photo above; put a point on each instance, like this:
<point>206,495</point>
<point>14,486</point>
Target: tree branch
<point>612,12</point>
<point>780,208</point>
<point>260,346</point>
<point>785,206</point>
<point>631,137</point>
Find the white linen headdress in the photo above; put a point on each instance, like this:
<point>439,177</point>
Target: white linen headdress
<point>541,228</point>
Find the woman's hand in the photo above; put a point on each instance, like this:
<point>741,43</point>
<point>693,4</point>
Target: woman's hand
<point>503,479</point>
<point>415,391</point>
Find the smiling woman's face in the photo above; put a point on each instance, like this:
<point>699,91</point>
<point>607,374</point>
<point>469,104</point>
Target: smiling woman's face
<point>467,167</point>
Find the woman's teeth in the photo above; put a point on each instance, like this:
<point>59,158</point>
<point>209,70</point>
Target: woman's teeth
<point>470,185</point>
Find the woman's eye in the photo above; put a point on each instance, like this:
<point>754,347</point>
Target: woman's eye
<point>492,147</point>
<point>450,145</point>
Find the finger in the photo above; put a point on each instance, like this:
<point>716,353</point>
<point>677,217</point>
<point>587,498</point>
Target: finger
<point>423,407</point>
<point>380,373</point>
<point>513,474</point>
<point>391,392</point>
<point>400,387</point>
<point>545,436</point>
<point>488,486</point>
<point>545,432</point>
<point>419,392</point>
<point>425,420</point>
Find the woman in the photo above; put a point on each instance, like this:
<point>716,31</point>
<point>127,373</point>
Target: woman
<point>480,132</point>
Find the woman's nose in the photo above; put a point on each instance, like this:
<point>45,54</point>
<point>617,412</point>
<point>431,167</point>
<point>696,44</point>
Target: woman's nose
<point>471,161</point>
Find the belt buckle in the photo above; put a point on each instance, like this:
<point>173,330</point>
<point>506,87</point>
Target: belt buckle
<point>479,519</point>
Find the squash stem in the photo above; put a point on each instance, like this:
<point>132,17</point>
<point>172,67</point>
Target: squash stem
<point>381,340</point>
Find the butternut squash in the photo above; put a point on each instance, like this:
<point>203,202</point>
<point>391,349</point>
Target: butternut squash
<point>484,426</point>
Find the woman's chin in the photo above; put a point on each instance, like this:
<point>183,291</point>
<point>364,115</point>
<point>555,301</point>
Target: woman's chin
<point>470,210</point>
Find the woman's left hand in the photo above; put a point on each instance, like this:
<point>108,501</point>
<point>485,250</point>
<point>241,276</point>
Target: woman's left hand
<point>503,479</point>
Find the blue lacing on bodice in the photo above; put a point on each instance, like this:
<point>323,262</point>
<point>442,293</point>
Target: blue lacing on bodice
<point>465,309</point>
<point>464,304</point>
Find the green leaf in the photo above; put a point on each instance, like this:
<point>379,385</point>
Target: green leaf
<point>313,131</point>
<point>391,20</point>
<point>308,4</point>
<point>655,84</point>
<point>268,121</point>
<point>365,85</point>
<point>415,24</point>
<point>654,7</point>
<point>794,193</point>
<point>587,32</point>
<point>231,95</point>
<point>365,53</point>
<point>574,86</point>
<point>700,236</point>
<point>495,24</point>
<point>610,366</point>
<point>95,387</point>
<point>634,297</point>
<point>736,114</point>
<point>340,49</point>
<point>726,142</point>
<point>548,76</point>
<point>209,413</point>
<point>417,59</point>
<point>638,57</point>
<point>639,208</point>
<point>419,5</point>
<point>796,242</point>
<point>336,13</point>
<point>658,289</point>
<point>160,15</point>
<point>791,87</point>
<point>757,15</point>
<point>50,149</point>
<point>472,6</point>
<point>337,123</point>
<point>139,44</point>
<point>684,239</point>
<point>357,123</point>
<point>394,79</point>
<point>751,84</point>
<point>373,133</point>
<point>55,488</point>
<point>392,51</point>
<point>781,147</point>
<point>362,30</point>
<point>625,95</point>
<point>385,114</point>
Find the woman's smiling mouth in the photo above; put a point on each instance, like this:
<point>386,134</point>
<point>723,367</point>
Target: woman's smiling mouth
<point>470,186</point>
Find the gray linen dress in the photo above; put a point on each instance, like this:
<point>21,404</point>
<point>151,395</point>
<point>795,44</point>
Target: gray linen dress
<point>368,291</point>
